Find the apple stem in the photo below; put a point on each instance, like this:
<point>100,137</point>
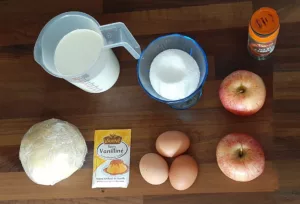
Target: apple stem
<point>241,152</point>
<point>241,89</point>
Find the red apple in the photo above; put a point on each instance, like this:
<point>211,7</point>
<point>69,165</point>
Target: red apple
<point>240,157</point>
<point>243,92</point>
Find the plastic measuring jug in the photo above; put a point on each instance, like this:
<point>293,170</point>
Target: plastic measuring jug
<point>173,41</point>
<point>103,72</point>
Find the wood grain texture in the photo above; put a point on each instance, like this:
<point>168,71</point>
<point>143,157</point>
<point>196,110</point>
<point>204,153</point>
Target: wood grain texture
<point>136,5</point>
<point>214,16</point>
<point>41,7</point>
<point>110,200</point>
<point>209,180</point>
<point>236,198</point>
<point>286,114</point>
<point>30,95</point>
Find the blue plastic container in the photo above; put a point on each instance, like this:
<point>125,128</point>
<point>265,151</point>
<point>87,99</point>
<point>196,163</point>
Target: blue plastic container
<point>173,41</point>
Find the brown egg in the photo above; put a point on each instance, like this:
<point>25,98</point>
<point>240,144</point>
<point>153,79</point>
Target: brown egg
<point>183,172</point>
<point>172,143</point>
<point>154,169</point>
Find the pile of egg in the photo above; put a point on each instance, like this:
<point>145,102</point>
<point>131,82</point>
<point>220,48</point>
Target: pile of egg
<point>183,170</point>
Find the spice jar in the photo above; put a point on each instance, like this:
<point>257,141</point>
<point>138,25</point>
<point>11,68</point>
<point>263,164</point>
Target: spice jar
<point>263,31</point>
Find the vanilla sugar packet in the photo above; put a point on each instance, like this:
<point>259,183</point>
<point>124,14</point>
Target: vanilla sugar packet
<point>111,160</point>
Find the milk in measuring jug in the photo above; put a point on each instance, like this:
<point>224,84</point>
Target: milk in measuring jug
<point>79,57</point>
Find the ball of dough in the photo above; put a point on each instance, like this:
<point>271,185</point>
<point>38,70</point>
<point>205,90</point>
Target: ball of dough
<point>51,151</point>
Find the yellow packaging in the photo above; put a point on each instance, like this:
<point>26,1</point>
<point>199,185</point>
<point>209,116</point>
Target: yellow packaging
<point>111,158</point>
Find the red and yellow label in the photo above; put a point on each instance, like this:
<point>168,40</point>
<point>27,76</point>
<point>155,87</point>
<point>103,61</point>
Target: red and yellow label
<point>110,145</point>
<point>111,158</point>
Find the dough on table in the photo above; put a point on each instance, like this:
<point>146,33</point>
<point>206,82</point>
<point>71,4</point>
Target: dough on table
<point>51,151</point>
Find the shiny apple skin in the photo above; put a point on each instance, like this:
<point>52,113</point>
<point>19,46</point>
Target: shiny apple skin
<point>242,93</point>
<point>240,168</point>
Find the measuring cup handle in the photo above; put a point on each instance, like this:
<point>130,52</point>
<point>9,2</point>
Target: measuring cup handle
<point>117,35</point>
<point>37,53</point>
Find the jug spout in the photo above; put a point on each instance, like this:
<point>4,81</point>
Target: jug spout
<point>117,35</point>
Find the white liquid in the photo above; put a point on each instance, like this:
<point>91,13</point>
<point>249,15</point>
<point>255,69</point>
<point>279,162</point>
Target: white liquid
<point>80,50</point>
<point>174,74</point>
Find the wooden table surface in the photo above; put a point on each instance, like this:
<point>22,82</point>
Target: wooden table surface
<point>30,95</point>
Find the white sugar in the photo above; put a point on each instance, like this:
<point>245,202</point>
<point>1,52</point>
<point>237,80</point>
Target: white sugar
<point>174,74</point>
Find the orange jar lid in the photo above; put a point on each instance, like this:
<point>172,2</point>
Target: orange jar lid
<point>264,25</point>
